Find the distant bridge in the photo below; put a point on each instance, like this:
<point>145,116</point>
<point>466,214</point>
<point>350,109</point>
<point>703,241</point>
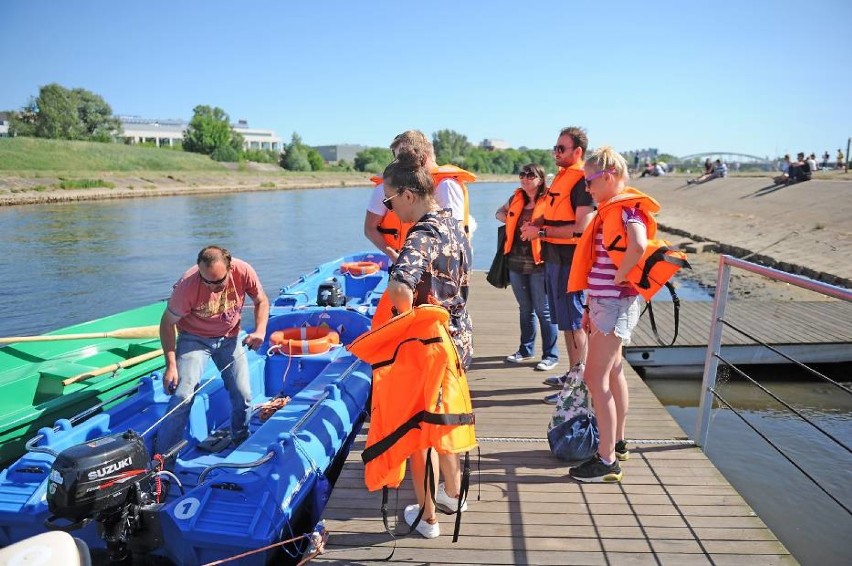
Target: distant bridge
<point>727,156</point>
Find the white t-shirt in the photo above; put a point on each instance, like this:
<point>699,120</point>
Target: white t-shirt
<point>376,206</point>
<point>448,194</point>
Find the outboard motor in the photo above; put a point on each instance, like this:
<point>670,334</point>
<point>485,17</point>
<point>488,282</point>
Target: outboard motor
<point>109,480</point>
<point>330,294</point>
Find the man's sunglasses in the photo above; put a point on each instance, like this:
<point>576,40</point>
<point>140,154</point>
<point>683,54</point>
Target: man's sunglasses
<point>561,149</point>
<point>209,282</point>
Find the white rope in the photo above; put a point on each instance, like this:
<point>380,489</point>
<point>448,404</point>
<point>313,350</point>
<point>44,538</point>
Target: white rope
<point>194,393</point>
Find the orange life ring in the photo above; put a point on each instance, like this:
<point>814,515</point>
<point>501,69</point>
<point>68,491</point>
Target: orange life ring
<point>360,267</point>
<point>305,340</point>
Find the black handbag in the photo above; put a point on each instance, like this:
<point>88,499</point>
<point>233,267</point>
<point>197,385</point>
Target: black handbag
<point>498,275</point>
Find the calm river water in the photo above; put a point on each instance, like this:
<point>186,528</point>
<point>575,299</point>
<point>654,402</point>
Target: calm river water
<point>68,263</point>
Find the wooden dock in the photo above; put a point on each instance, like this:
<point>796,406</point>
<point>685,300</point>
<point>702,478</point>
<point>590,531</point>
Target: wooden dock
<point>811,332</point>
<point>673,506</point>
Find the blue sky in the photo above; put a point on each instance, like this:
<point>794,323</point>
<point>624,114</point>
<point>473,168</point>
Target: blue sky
<point>757,77</point>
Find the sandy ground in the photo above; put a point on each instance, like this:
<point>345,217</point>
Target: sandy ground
<point>744,285</point>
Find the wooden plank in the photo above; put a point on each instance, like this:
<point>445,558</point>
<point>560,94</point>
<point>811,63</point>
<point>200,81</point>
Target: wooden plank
<point>776,323</point>
<point>673,506</point>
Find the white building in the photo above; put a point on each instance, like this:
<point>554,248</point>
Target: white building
<point>492,144</point>
<point>4,125</point>
<point>170,132</point>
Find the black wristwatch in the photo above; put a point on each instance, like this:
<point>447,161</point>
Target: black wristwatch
<point>542,233</point>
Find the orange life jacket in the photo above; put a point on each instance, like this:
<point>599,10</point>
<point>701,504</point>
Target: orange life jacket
<point>420,397</point>
<point>461,177</point>
<point>512,217</point>
<point>393,230</point>
<point>555,207</point>
<point>659,262</point>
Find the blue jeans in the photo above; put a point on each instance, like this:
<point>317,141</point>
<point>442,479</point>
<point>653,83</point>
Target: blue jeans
<point>566,308</point>
<point>532,300</point>
<point>192,354</point>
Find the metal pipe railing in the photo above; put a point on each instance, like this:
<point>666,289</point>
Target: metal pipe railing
<point>720,302</point>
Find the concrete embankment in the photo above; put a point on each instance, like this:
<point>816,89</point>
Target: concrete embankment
<point>805,228</point>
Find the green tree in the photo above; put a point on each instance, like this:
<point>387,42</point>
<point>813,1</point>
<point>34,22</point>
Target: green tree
<point>373,159</point>
<point>296,155</point>
<point>209,130</point>
<point>57,116</point>
<point>450,147</point>
<point>95,116</point>
<point>316,160</point>
<point>59,113</point>
<point>23,123</point>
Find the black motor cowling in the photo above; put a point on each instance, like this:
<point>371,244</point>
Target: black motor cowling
<point>96,476</point>
<point>330,294</point>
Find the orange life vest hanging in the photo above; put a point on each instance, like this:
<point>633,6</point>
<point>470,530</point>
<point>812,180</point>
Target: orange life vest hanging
<point>420,395</point>
<point>657,265</point>
<point>460,176</point>
<point>393,230</point>
<point>516,207</point>
<point>554,209</point>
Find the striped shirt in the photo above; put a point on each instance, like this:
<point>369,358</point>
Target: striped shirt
<point>603,270</point>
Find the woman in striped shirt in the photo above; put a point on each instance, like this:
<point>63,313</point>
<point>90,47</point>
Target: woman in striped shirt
<point>612,310</point>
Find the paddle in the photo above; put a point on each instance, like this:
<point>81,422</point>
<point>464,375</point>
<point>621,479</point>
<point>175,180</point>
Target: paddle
<point>125,333</point>
<point>113,367</point>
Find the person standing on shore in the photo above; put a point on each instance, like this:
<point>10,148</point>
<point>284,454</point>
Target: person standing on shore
<point>383,227</point>
<point>205,307</point>
<point>558,220</point>
<point>613,306</point>
<point>433,267</point>
<point>526,270</point>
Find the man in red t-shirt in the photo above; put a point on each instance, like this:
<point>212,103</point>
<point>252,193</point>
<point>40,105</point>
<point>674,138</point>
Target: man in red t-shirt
<point>205,306</point>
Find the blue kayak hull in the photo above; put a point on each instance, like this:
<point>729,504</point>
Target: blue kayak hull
<point>271,487</point>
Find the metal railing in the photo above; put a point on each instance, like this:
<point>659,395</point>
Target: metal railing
<point>714,356</point>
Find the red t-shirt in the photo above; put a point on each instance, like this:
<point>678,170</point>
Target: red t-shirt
<point>213,314</point>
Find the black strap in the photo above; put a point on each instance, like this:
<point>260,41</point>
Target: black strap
<point>463,490</point>
<point>676,306</point>
<point>452,419</point>
<point>391,231</point>
<point>424,341</point>
<point>556,223</point>
<point>655,258</point>
<point>612,247</point>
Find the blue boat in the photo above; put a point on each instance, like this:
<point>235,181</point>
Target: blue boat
<point>98,478</point>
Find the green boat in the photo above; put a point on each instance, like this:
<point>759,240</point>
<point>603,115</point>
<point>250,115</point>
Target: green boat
<point>32,392</point>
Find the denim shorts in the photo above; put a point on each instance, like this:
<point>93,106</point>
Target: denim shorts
<point>618,316</point>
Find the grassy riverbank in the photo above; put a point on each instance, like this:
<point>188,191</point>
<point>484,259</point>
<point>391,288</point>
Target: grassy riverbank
<point>36,171</point>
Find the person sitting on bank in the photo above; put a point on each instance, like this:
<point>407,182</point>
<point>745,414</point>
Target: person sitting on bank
<point>205,306</point>
<point>720,169</point>
<point>785,171</point>
<point>650,170</point>
<point>799,170</point>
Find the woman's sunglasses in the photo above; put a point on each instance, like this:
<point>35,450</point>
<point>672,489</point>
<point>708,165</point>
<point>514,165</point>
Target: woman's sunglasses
<point>387,201</point>
<point>527,175</point>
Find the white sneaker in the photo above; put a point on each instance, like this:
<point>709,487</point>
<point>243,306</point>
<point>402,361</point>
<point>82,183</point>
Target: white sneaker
<point>423,527</point>
<point>446,503</point>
